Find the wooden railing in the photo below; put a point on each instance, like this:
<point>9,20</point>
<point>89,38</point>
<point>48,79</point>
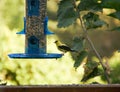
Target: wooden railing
<point>62,88</point>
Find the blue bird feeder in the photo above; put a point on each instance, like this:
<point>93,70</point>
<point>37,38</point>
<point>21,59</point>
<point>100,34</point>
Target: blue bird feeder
<point>35,31</point>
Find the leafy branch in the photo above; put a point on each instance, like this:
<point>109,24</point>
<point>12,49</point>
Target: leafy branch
<point>91,43</point>
<point>71,10</point>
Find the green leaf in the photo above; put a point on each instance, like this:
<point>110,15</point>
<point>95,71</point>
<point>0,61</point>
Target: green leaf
<point>113,4</point>
<point>66,13</point>
<point>91,65</point>
<point>90,5</point>
<point>90,70</point>
<point>78,43</point>
<point>115,15</point>
<point>80,58</point>
<point>96,72</point>
<point>92,20</point>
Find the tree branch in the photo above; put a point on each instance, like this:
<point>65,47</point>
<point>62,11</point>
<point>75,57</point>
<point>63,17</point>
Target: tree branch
<point>91,44</point>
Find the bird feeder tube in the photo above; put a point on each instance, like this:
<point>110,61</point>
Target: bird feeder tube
<point>35,30</point>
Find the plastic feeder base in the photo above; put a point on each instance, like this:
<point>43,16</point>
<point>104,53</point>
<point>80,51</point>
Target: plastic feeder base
<point>35,56</point>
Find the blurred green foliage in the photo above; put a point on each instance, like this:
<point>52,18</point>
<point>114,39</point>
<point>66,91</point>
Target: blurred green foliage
<point>33,71</point>
<point>13,13</point>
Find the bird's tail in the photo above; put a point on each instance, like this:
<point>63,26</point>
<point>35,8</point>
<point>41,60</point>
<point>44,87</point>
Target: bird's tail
<point>74,51</point>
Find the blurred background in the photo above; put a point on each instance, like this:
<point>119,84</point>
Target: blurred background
<point>51,71</point>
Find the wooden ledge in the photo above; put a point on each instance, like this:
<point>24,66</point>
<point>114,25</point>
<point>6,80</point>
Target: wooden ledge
<point>62,88</point>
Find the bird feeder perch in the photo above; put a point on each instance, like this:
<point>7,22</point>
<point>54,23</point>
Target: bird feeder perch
<point>35,31</point>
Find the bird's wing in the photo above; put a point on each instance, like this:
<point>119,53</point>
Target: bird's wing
<point>66,48</point>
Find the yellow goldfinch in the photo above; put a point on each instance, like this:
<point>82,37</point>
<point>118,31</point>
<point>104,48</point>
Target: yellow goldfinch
<point>63,47</point>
